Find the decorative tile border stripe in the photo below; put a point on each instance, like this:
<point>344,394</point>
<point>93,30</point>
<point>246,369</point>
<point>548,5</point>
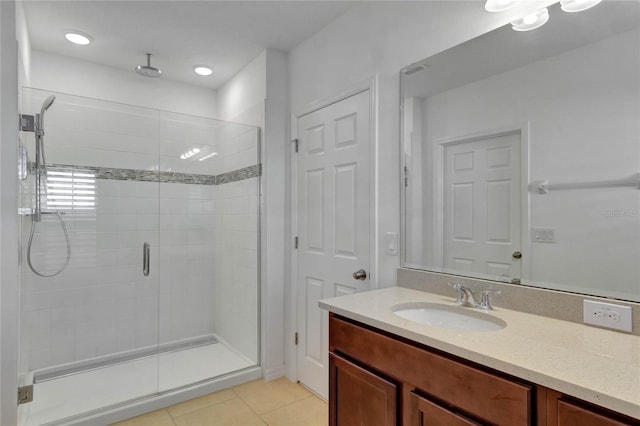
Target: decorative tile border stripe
<point>163,177</point>
<point>240,174</point>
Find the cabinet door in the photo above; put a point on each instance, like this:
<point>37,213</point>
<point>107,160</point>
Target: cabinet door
<point>428,413</point>
<point>358,396</point>
<point>571,415</point>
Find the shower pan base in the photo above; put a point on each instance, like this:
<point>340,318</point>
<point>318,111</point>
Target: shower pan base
<point>59,400</point>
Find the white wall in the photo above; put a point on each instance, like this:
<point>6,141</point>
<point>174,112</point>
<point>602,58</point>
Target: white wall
<point>243,93</point>
<point>582,109</point>
<point>67,75</point>
<point>257,96</point>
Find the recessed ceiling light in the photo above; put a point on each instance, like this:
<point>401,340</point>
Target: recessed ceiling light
<point>206,157</point>
<point>499,5</point>
<point>577,5</point>
<point>202,69</point>
<point>190,153</point>
<point>531,21</point>
<point>78,37</point>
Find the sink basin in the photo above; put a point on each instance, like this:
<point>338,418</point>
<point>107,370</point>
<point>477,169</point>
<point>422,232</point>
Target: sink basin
<point>446,316</point>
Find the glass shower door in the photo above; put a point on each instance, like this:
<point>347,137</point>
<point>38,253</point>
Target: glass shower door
<point>90,334</point>
<point>209,214</point>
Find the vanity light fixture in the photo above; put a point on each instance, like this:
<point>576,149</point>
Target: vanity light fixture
<point>499,5</point>
<point>202,70</point>
<point>532,21</point>
<point>190,153</point>
<point>577,5</point>
<point>77,37</point>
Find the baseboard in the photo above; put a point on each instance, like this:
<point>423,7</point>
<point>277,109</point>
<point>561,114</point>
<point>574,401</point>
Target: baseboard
<point>273,373</point>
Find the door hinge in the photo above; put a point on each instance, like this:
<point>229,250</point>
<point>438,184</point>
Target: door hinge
<point>295,338</point>
<point>25,394</point>
<point>295,142</point>
<point>295,242</point>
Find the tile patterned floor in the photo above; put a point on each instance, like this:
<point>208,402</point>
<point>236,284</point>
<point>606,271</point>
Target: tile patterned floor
<point>279,402</point>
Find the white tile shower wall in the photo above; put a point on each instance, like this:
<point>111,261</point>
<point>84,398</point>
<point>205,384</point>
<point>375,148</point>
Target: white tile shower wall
<point>235,312</point>
<point>102,304</point>
<point>90,132</point>
<point>186,262</point>
<point>222,146</point>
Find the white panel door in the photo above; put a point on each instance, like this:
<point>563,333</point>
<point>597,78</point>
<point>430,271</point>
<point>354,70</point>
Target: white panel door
<point>333,222</point>
<point>482,206</point>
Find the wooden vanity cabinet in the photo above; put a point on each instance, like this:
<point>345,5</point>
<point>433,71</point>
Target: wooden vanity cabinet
<point>370,364</point>
<point>566,411</point>
<point>379,379</point>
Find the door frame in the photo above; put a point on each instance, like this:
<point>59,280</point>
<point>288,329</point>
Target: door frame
<point>439,145</point>
<point>291,303</point>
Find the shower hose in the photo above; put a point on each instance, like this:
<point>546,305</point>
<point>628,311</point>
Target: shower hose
<point>33,229</point>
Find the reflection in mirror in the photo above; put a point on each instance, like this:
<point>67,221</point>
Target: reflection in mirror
<point>521,155</point>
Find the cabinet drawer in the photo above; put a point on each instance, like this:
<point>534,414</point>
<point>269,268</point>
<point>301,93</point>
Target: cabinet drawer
<point>492,398</point>
<point>570,414</point>
<point>428,413</point>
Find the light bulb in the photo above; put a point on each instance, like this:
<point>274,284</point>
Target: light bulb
<point>76,37</point>
<point>202,70</point>
<point>532,21</point>
<point>500,5</point>
<point>577,5</point>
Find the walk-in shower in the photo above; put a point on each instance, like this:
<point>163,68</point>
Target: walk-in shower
<point>160,294</point>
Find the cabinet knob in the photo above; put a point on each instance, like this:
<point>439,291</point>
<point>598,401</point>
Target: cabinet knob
<point>516,255</point>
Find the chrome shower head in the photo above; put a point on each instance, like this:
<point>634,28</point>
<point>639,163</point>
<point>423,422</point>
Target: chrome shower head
<point>47,103</point>
<point>40,117</point>
<point>148,70</point>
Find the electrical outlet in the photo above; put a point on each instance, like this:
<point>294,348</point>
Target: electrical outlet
<point>607,315</point>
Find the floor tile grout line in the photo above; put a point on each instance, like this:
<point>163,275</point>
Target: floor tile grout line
<point>204,406</point>
<point>288,404</point>
<point>171,417</point>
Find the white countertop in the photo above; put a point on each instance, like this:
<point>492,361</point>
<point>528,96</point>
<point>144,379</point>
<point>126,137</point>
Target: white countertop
<point>596,365</point>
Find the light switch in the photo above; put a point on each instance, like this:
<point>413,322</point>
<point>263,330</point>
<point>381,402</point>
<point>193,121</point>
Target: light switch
<point>543,235</point>
<point>391,243</point>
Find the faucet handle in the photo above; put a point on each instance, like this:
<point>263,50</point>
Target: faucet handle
<point>486,303</point>
<point>461,298</point>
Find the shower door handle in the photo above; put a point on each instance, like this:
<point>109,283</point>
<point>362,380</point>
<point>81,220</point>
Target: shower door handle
<point>146,253</point>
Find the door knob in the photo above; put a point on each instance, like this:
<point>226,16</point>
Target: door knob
<point>360,274</point>
<point>517,255</point>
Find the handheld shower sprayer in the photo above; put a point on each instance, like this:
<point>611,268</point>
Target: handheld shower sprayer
<point>41,173</point>
<point>47,103</point>
<point>45,106</point>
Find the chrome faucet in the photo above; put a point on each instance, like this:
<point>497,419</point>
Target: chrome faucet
<point>466,297</point>
<point>464,294</point>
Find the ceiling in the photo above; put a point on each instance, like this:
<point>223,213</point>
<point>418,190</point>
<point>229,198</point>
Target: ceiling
<point>179,34</point>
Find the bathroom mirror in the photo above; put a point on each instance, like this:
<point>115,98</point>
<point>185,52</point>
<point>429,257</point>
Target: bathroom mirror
<point>521,155</point>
